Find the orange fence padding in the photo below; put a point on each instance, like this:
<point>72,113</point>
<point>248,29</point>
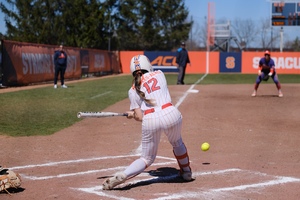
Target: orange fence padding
<point>125,57</point>
<point>26,63</point>
<point>285,62</point>
<point>197,59</point>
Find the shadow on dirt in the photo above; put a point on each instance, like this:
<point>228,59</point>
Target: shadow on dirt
<point>11,191</point>
<point>267,95</point>
<point>161,175</point>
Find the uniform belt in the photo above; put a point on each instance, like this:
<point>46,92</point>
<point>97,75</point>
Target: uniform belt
<point>152,110</point>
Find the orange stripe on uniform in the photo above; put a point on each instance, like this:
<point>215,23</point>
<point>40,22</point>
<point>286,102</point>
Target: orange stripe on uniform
<point>182,156</point>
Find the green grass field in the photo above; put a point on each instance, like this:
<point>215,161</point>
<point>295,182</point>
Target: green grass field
<point>45,110</point>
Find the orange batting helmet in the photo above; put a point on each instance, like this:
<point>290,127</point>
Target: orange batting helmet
<point>267,52</point>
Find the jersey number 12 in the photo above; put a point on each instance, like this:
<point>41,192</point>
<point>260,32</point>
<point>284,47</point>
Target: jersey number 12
<point>151,85</point>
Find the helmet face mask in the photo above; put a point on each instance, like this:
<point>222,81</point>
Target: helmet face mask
<point>140,63</point>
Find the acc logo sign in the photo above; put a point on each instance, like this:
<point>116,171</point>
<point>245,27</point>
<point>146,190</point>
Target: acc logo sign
<point>164,61</point>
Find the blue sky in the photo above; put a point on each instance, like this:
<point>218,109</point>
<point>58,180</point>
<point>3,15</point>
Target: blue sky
<point>255,10</point>
<point>224,9</point>
<point>230,9</point>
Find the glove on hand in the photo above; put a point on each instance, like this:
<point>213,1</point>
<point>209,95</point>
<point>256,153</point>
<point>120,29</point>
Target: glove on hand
<point>270,74</point>
<point>9,179</point>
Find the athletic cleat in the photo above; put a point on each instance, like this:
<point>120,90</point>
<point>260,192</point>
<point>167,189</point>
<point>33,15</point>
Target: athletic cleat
<point>187,176</point>
<point>254,93</point>
<point>64,86</point>
<point>280,94</point>
<point>112,182</point>
<point>55,86</point>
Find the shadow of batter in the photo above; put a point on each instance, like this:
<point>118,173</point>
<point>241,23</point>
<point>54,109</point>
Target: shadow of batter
<point>161,175</point>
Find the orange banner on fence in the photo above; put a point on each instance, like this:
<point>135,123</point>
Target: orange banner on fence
<point>31,63</point>
<point>197,59</point>
<point>27,63</point>
<point>99,61</point>
<point>125,57</point>
<point>285,62</point>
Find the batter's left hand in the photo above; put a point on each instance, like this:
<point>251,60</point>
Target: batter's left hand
<point>130,114</point>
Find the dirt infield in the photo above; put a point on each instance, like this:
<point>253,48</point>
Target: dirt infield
<point>254,150</point>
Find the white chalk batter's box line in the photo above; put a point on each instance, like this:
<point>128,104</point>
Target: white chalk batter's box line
<point>211,193</point>
<point>214,193</point>
<point>51,164</point>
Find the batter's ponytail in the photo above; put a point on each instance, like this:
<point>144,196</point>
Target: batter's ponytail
<point>137,84</point>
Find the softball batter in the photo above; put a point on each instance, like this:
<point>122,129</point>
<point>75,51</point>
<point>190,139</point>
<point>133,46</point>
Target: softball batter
<point>150,103</point>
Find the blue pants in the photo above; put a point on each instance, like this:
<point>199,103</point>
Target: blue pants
<point>263,76</point>
<point>59,70</point>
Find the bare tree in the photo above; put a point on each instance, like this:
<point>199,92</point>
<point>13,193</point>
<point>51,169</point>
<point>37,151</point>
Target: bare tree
<point>269,36</point>
<point>245,31</point>
<point>248,32</point>
<point>199,32</point>
<point>293,45</point>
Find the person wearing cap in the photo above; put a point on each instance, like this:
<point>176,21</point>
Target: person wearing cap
<point>182,58</point>
<point>60,63</point>
<point>266,70</point>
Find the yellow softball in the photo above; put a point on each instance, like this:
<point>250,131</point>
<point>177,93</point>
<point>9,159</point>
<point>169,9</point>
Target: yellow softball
<point>205,146</point>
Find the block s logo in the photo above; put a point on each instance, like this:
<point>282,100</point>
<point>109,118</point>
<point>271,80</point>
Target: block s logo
<point>230,62</point>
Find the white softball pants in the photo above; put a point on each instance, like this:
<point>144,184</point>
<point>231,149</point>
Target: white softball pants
<point>169,121</point>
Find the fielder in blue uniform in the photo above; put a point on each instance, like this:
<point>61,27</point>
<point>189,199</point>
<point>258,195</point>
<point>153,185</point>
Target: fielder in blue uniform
<point>266,70</point>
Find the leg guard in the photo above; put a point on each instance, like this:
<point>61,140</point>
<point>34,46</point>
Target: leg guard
<point>183,162</point>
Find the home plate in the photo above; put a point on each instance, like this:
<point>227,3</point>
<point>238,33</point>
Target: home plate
<point>193,91</point>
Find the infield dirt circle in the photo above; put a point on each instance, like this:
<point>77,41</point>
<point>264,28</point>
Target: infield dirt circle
<point>254,150</point>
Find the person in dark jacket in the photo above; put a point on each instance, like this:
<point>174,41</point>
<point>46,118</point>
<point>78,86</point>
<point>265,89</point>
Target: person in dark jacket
<point>60,63</point>
<point>182,58</point>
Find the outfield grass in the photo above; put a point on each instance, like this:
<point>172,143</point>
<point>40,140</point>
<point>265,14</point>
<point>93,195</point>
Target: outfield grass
<point>44,111</point>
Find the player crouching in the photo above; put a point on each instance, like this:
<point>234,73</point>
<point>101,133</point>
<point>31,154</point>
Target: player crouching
<point>266,70</point>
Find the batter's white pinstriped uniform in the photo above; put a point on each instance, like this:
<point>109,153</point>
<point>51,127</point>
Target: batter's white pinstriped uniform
<point>150,95</point>
<point>163,117</point>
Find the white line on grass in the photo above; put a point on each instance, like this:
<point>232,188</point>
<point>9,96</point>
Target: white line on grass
<point>99,95</point>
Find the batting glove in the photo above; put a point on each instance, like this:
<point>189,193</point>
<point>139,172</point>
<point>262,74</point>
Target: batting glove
<point>270,74</point>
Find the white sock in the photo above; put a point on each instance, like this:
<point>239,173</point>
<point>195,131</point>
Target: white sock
<point>135,168</point>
